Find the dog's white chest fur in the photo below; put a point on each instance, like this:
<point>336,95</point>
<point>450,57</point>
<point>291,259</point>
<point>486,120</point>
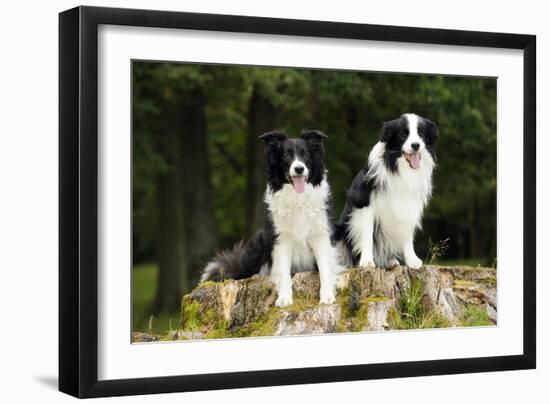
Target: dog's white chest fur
<point>300,218</point>
<point>398,206</point>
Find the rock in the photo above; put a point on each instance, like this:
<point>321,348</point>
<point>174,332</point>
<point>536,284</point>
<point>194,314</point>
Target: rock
<point>377,315</point>
<point>368,299</point>
<point>317,320</point>
<point>491,313</point>
<point>447,304</point>
<point>144,337</point>
<point>181,334</point>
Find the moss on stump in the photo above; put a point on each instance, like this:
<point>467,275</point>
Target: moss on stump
<point>368,299</point>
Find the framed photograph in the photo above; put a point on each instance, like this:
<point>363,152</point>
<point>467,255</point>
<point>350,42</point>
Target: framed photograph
<point>251,201</point>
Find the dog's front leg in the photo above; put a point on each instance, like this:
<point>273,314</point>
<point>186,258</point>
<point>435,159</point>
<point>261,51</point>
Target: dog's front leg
<point>411,260</point>
<point>325,256</point>
<point>362,229</point>
<point>282,261</point>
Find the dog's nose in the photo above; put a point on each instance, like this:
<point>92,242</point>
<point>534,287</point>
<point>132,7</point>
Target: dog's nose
<point>299,169</point>
<point>415,146</point>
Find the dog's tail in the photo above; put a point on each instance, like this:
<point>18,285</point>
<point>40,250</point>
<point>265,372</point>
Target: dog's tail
<point>242,261</point>
<point>225,265</point>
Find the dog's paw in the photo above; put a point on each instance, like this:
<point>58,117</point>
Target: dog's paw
<point>283,300</point>
<point>392,263</point>
<point>413,263</point>
<point>366,262</point>
<point>327,297</point>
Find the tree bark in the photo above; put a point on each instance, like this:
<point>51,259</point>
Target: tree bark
<point>172,271</point>
<point>368,299</point>
<point>196,198</point>
<point>185,223</point>
<point>475,238</point>
<point>261,119</point>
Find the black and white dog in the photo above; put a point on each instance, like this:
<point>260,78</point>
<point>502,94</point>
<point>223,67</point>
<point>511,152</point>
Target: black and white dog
<point>387,198</point>
<point>298,229</point>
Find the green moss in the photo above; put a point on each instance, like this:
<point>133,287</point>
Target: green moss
<point>191,318</point>
<point>301,304</point>
<point>343,300</point>
<point>210,284</point>
<point>462,284</point>
<point>354,308</point>
<point>489,281</point>
<point>474,316</point>
<point>376,299</point>
<point>360,320</point>
<point>410,312</point>
<point>264,326</point>
<point>219,332</point>
<point>194,318</point>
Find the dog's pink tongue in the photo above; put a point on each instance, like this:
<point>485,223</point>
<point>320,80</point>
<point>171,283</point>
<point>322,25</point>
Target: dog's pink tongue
<point>414,160</point>
<point>299,184</point>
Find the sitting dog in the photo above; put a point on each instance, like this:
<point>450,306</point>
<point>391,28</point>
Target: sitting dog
<point>298,229</point>
<point>387,197</point>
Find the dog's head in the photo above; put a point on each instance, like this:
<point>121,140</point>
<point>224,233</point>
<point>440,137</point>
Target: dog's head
<point>295,161</point>
<point>410,142</point>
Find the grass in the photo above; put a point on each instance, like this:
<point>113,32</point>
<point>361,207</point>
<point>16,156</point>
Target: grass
<point>144,284</point>
<point>471,262</point>
<point>473,316</point>
<point>410,312</point>
<point>436,250</point>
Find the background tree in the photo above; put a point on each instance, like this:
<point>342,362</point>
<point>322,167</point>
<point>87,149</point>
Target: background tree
<point>170,112</point>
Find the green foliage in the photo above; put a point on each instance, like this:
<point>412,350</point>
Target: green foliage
<point>350,107</point>
<point>411,313</point>
<point>474,316</point>
<point>144,283</point>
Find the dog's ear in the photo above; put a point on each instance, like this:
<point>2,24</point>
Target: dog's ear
<point>313,136</point>
<point>431,131</point>
<point>273,137</point>
<point>314,139</point>
<point>389,129</point>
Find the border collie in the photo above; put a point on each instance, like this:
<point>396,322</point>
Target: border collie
<point>387,197</point>
<point>298,229</point>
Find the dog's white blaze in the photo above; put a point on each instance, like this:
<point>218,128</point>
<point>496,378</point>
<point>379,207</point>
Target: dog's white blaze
<point>396,208</point>
<point>303,229</point>
<point>298,163</point>
<point>414,137</point>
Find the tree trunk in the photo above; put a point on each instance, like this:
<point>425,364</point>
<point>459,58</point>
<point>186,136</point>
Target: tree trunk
<point>196,198</point>
<point>368,299</point>
<point>172,272</point>
<point>261,119</point>
<point>476,240</point>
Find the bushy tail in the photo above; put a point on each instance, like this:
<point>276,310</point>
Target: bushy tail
<point>225,265</point>
<point>242,261</point>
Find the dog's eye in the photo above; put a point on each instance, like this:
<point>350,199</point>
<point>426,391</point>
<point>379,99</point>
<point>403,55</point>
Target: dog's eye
<point>405,133</point>
<point>305,155</point>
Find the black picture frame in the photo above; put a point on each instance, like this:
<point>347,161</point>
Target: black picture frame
<point>78,201</point>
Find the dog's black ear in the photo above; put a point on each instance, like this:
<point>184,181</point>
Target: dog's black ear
<point>273,137</point>
<point>431,131</point>
<point>313,136</point>
<point>389,129</point>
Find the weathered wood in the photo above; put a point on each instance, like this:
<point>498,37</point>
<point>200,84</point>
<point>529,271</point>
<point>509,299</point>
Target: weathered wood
<point>368,299</point>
